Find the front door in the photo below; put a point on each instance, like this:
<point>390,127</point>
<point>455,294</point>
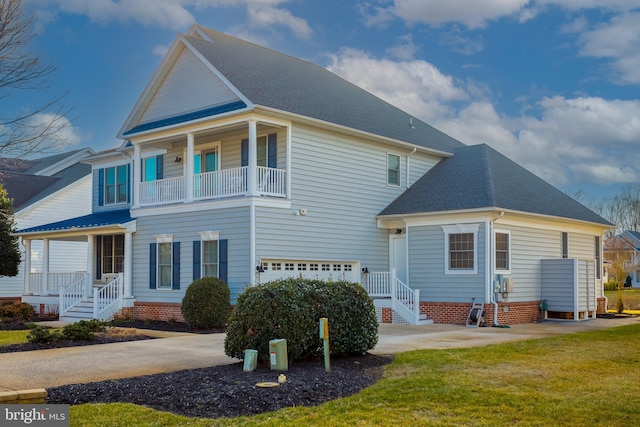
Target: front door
<point>398,255</point>
<point>110,255</point>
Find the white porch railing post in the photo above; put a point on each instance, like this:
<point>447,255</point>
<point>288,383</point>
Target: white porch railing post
<point>190,167</point>
<point>95,303</point>
<point>416,306</point>
<point>27,265</point>
<point>253,158</point>
<point>137,174</point>
<point>45,264</point>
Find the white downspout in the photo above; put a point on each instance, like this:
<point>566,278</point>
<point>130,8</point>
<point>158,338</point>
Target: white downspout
<point>409,155</point>
<point>491,268</point>
<point>252,242</point>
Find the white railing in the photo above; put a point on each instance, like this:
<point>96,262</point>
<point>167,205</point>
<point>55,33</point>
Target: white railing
<point>378,285</point>
<point>107,300</point>
<point>271,182</point>
<point>73,294</point>
<point>37,284</point>
<point>162,191</point>
<point>223,183</point>
<point>404,300</point>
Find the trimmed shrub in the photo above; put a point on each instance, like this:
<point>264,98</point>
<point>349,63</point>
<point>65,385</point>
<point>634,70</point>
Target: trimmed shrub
<point>43,335</point>
<point>19,311</point>
<point>83,330</point>
<point>291,309</point>
<point>206,303</point>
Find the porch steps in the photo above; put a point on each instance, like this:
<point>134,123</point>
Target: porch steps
<point>82,311</point>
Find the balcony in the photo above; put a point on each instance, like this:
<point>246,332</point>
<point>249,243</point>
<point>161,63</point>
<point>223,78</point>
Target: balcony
<point>212,185</point>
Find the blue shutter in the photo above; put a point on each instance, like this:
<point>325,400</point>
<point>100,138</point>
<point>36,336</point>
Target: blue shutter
<point>159,166</point>
<point>244,156</point>
<point>153,247</point>
<point>196,259</point>
<point>98,257</point>
<point>175,282</point>
<point>100,187</point>
<point>222,261</point>
<point>272,150</point>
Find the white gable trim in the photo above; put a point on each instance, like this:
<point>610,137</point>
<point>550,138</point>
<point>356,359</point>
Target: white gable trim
<point>161,72</point>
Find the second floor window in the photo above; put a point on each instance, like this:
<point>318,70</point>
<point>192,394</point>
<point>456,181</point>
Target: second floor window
<point>393,169</point>
<point>115,185</point>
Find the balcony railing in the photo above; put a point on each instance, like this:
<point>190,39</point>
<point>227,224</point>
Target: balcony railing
<point>213,185</point>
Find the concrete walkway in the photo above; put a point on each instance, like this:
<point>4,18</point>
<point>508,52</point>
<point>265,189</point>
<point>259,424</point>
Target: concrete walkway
<point>176,351</point>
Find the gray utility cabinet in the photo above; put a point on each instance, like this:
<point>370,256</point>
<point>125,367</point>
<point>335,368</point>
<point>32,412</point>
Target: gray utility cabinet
<point>569,287</point>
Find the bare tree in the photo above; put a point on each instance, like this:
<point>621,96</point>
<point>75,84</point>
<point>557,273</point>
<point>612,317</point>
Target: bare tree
<point>622,259</point>
<point>38,129</point>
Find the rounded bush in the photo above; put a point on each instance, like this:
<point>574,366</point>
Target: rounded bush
<point>206,303</point>
<point>291,309</point>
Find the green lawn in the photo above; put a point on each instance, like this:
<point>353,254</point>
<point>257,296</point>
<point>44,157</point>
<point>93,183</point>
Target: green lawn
<point>13,337</point>
<point>630,298</point>
<point>582,379</point>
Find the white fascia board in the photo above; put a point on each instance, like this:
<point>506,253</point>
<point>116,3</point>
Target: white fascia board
<point>162,70</point>
<point>156,79</point>
<point>511,217</point>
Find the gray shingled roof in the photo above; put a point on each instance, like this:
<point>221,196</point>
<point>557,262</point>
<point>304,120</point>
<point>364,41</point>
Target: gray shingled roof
<point>27,188</point>
<point>273,79</point>
<point>479,177</point>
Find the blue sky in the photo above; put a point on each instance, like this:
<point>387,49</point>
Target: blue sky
<point>552,84</point>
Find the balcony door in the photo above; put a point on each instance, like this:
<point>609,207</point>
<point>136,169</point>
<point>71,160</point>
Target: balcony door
<point>205,161</point>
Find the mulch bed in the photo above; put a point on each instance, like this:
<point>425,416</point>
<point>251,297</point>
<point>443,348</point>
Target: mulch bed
<point>218,391</point>
<point>227,391</point>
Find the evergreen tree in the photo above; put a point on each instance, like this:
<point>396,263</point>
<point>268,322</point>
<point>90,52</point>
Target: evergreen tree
<point>9,249</point>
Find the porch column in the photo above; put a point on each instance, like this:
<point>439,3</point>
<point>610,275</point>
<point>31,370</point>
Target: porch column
<point>45,265</point>
<point>90,269</point>
<point>189,164</point>
<point>137,175</point>
<point>27,264</point>
<point>128,265</point>
<point>253,159</point>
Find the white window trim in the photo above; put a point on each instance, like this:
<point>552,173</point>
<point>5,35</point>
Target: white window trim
<point>163,238</point>
<point>209,235</point>
<point>495,258</point>
<point>399,170</point>
<point>459,229</point>
<point>104,184</point>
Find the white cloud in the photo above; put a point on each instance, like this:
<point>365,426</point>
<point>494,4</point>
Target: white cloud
<point>580,140</point>
<point>61,133</point>
<point>405,48</point>
<point>160,50</point>
<point>169,14</point>
<point>618,40</point>
<point>415,86</point>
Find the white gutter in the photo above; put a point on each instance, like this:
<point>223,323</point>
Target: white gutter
<point>252,242</point>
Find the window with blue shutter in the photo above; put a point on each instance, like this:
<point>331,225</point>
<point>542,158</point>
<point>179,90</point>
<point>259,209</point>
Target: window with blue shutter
<point>175,283</point>
<point>100,187</point>
<point>222,257</point>
<point>196,259</point>
<point>153,248</point>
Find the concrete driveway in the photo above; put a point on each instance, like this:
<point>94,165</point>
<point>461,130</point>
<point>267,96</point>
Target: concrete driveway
<point>174,352</point>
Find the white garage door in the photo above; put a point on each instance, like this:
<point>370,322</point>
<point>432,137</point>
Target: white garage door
<point>323,270</point>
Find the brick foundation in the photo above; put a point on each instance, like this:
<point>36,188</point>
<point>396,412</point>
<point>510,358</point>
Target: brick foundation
<point>387,315</point>
<point>157,311</point>
<point>455,313</point>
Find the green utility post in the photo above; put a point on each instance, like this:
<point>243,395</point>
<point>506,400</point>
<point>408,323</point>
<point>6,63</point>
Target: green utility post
<point>324,335</point>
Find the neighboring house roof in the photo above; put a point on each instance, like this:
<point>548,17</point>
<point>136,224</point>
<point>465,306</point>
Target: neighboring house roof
<point>272,79</point>
<point>27,181</point>
<point>94,220</point>
<point>478,177</point>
